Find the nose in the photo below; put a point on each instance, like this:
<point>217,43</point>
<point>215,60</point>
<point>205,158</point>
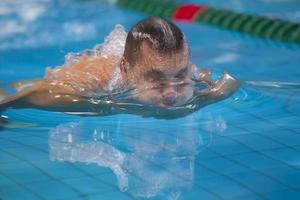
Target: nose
<point>169,96</point>
<point>170,100</point>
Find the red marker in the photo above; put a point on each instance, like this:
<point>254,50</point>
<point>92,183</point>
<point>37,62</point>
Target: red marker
<point>187,12</point>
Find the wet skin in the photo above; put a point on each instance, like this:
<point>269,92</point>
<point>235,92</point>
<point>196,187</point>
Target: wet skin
<point>159,80</point>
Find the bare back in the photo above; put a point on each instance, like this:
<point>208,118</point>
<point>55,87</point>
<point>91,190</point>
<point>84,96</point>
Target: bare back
<point>89,74</point>
<point>61,85</point>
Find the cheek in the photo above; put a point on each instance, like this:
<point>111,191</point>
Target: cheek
<point>145,94</point>
<point>148,92</point>
<point>186,90</point>
<point>184,93</point>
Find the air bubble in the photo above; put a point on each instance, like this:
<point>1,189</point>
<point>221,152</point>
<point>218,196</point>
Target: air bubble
<point>113,45</point>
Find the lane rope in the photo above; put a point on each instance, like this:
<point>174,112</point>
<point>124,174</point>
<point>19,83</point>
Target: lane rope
<point>266,27</point>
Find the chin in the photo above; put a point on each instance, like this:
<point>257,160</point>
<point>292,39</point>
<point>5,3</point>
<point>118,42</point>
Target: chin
<point>164,106</point>
<point>151,99</point>
<point>160,103</point>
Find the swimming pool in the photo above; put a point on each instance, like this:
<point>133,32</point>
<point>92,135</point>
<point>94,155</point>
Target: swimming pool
<point>245,147</point>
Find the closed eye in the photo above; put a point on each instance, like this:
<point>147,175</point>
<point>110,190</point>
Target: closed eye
<point>182,73</point>
<point>154,75</point>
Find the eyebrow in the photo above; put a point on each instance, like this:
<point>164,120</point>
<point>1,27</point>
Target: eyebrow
<point>182,71</point>
<point>155,73</point>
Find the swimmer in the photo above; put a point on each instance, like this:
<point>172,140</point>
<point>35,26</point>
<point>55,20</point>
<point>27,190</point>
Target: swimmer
<point>155,66</point>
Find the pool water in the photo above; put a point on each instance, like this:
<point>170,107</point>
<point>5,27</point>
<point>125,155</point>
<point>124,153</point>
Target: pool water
<point>244,147</point>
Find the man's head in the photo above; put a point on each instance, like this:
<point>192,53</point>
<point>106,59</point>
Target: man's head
<point>156,62</point>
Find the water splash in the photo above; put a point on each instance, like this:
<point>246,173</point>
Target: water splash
<point>113,45</point>
<point>275,84</point>
<point>126,102</point>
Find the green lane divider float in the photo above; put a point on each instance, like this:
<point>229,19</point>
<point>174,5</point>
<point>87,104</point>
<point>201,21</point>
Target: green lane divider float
<point>275,29</point>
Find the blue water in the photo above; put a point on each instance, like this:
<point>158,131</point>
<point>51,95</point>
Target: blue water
<point>245,147</point>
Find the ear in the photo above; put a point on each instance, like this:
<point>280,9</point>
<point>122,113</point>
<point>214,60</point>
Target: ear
<point>124,67</point>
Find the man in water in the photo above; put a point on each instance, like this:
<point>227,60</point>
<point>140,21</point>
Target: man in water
<point>155,66</point>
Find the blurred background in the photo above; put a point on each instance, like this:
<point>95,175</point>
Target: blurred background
<point>38,33</point>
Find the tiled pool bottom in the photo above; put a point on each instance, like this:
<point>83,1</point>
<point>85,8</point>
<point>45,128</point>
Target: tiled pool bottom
<point>246,147</point>
<point>237,149</point>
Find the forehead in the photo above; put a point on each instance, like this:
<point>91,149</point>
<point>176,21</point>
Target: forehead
<point>167,62</point>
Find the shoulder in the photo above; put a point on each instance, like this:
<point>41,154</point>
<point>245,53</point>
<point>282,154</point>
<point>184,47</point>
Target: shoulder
<point>88,74</point>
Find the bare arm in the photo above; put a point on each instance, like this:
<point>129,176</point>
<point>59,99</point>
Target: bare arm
<point>60,93</point>
<point>45,95</point>
<point>220,89</point>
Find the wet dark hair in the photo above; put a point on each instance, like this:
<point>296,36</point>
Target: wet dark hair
<point>162,35</point>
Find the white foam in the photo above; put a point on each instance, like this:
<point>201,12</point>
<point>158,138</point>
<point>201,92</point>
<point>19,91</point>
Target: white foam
<point>23,24</point>
<point>226,57</point>
<point>78,30</point>
<point>30,12</point>
<point>11,27</point>
<point>113,45</point>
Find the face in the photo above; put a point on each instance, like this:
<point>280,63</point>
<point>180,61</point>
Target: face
<point>161,80</point>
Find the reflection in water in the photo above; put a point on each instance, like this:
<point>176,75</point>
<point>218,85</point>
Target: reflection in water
<point>149,157</point>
